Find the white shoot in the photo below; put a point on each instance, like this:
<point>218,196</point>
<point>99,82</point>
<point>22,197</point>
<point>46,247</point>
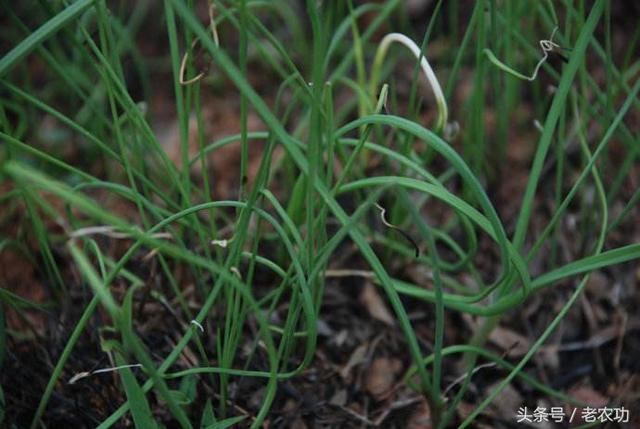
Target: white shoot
<point>197,325</point>
<point>383,47</point>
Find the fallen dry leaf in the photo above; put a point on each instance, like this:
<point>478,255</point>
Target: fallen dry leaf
<point>421,417</point>
<point>465,409</point>
<point>339,398</point>
<point>374,304</point>
<point>598,286</point>
<point>589,396</point>
<point>298,424</point>
<point>506,404</point>
<point>549,355</point>
<point>507,339</point>
<point>357,357</point>
<point>382,375</point>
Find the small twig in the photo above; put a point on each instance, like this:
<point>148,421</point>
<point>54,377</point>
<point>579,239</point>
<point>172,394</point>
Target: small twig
<point>237,407</point>
<point>401,403</point>
<point>150,255</point>
<point>81,375</point>
<point>357,416</point>
<point>602,337</point>
<point>350,273</point>
<point>621,334</point>
<point>110,231</point>
<point>390,225</point>
<point>461,378</point>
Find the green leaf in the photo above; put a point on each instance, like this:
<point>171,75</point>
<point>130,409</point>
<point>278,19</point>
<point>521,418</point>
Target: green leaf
<point>180,397</point>
<point>41,34</point>
<point>109,345</point>
<point>2,405</point>
<point>189,386</point>
<point>557,107</point>
<point>3,337</point>
<point>140,410</point>
<point>208,417</point>
<point>101,290</point>
<point>226,423</point>
<point>295,209</point>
